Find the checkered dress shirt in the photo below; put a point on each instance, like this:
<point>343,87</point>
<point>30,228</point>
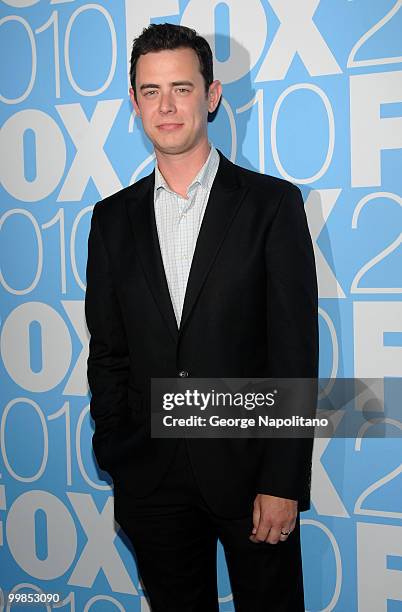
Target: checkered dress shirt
<point>178,221</point>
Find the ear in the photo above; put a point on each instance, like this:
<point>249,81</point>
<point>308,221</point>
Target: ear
<point>214,95</point>
<point>134,102</point>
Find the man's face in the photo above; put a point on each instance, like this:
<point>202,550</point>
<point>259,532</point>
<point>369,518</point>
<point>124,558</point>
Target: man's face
<point>172,101</point>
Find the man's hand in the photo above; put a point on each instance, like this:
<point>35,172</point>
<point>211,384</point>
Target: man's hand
<point>271,515</point>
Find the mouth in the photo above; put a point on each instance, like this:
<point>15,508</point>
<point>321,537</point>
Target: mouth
<point>169,127</point>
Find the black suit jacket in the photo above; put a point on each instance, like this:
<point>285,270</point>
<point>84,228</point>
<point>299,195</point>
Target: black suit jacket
<point>250,310</point>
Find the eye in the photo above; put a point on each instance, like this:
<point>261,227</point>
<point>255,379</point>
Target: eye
<point>183,90</point>
<point>150,93</point>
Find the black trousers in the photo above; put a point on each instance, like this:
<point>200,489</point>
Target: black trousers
<point>174,535</point>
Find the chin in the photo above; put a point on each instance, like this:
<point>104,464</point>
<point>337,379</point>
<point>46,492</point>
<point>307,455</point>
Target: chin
<point>165,147</point>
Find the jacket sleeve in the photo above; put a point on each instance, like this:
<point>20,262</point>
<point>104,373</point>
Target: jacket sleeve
<point>108,360</point>
<point>292,328</point>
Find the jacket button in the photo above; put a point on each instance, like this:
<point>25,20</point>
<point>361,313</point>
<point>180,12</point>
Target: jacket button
<point>183,374</point>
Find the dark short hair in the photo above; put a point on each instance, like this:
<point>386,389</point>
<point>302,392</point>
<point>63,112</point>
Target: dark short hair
<point>167,36</point>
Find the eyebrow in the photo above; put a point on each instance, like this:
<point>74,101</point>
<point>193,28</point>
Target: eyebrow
<point>174,84</point>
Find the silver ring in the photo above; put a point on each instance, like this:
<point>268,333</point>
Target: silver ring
<point>286,533</point>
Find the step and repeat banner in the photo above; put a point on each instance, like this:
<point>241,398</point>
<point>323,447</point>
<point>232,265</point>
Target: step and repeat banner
<point>312,93</point>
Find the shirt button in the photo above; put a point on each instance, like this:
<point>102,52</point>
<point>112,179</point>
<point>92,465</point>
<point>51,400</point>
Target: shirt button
<point>183,373</point>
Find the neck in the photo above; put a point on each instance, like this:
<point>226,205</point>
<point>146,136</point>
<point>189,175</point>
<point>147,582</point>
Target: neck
<point>179,170</point>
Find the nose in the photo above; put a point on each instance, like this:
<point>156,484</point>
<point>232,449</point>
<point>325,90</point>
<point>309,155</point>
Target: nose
<point>166,103</point>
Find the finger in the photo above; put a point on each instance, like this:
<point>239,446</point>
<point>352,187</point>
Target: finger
<point>256,517</point>
<point>286,532</point>
<point>261,534</point>
<point>274,535</point>
<point>262,531</point>
<point>254,539</point>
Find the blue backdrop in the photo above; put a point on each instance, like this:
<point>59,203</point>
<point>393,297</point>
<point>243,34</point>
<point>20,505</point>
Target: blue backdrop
<point>312,93</point>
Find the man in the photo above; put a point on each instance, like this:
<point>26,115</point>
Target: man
<point>200,269</point>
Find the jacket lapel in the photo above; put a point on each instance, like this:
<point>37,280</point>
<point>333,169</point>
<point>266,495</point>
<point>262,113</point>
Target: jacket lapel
<point>142,217</point>
<point>224,201</point>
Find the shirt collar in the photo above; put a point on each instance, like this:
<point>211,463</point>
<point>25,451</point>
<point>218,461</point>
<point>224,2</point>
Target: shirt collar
<point>202,177</point>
